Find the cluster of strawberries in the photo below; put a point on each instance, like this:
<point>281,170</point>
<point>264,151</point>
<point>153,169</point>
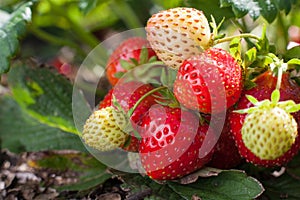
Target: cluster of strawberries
<point>206,117</point>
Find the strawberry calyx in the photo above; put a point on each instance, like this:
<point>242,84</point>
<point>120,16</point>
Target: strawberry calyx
<point>288,106</point>
<point>132,62</point>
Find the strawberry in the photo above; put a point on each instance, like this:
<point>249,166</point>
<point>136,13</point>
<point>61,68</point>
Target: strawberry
<point>103,130</point>
<point>265,84</point>
<point>129,51</point>
<point>172,141</point>
<point>178,33</point>
<point>211,81</point>
<point>226,155</point>
<point>127,94</point>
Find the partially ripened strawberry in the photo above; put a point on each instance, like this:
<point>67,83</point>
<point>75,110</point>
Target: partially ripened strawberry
<point>174,143</point>
<point>265,84</point>
<point>178,33</point>
<point>209,82</point>
<point>127,94</point>
<point>104,129</point>
<point>129,52</point>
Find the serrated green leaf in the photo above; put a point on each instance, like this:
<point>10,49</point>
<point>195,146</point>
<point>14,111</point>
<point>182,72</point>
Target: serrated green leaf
<point>10,31</point>
<point>228,185</point>
<point>44,95</point>
<point>20,132</point>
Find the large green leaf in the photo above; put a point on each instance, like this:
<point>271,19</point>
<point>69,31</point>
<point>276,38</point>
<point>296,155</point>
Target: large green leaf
<point>10,31</point>
<point>20,132</point>
<point>228,185</point>
<point>255,8</point>
<point>44,94</point>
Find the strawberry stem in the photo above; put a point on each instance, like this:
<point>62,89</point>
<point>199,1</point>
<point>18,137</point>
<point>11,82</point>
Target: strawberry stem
<point>242,35</point>
<point>143,97</point>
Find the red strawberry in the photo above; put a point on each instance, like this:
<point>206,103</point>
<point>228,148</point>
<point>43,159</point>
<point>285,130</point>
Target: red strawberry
<point>226,155</point>
<point>174,144</point>
<point>127,51</point>
<point>127,94</point>
<point>265,84</point>
<point>178,33</point>
<point>211,81</point>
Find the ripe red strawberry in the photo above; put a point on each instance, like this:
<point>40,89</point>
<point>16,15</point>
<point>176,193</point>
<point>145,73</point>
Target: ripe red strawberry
<point>127,51</point>
<point>211,81</point>
<point>127,94</point>
<point>265,84</point>
<point>172,143</point>
<point>226,155</point>
<point>178,33</point>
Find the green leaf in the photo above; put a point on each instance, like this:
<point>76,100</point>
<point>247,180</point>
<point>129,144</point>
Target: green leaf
<point>294,61</point>
<point>44,95</point>
<point>86,5</point>
<point>235,49</point>
<point>169,4</point>
<point>10,31</point>
<point>282,187</point>
<point>90,171</point>
<point>250,56</point>
<point>292,53</point>
<point>20,132</point>
<point>211,7</point>
<point>143,56</point>
<point>139,184</point>
<point>228,185</point>
<point>255,8</point>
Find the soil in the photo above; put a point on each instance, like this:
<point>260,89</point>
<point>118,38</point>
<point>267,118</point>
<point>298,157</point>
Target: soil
<point>20,180</point>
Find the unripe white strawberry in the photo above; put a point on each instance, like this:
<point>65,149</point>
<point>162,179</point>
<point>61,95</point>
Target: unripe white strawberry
<point>103,130</point>
<point>269,133</point>
<point>269,130</point>
<point>178,33</point>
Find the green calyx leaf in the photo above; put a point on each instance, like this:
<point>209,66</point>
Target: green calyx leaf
<point>289,106</point>
<point>275,96</point>
<point>215,27</point>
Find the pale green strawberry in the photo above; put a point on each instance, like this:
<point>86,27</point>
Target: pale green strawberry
<point>104,129</point>
<point>269,130</point>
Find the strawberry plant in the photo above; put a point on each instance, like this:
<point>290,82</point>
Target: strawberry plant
<point>153,99</point>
